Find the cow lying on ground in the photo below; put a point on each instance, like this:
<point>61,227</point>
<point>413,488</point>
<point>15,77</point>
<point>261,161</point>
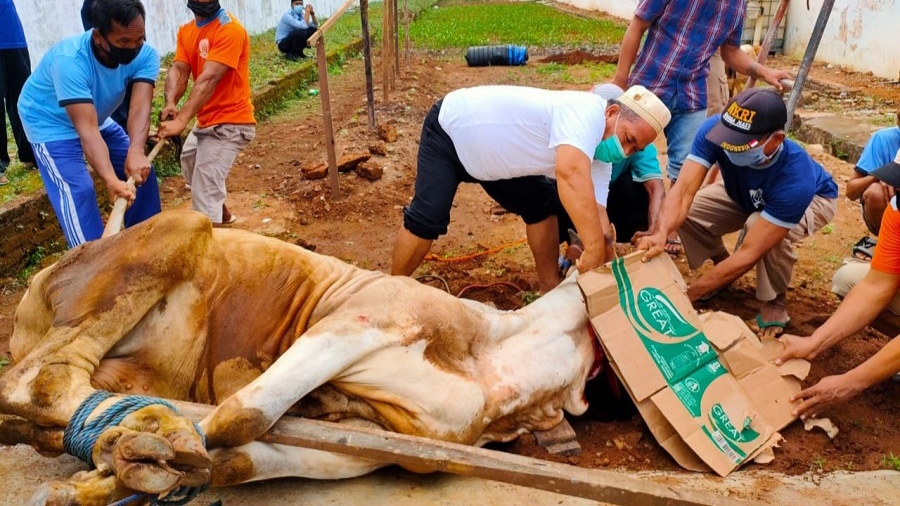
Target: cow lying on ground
<point>174,309</point>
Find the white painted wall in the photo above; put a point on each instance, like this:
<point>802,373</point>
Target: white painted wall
<point>46,22</point>
<point>861,34</point>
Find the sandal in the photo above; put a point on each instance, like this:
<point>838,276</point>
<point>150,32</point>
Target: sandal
<point>673,247</point>
<point>3,180</point>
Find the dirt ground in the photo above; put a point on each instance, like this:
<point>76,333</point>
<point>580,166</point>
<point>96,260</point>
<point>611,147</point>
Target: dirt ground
<point>271,197</point>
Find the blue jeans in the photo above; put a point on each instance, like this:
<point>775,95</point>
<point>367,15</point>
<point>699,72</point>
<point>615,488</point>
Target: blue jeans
<point>70,187</point>
<point>680,133</point>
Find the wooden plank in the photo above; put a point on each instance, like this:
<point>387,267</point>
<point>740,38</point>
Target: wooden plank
<point>325,97</point>
<point>367,56</point>
<point>330,21</point>
<point>427,455</point>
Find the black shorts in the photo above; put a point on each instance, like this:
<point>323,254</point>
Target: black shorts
<point>439,173</point>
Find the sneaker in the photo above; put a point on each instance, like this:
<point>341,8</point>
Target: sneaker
<point>294,57</point>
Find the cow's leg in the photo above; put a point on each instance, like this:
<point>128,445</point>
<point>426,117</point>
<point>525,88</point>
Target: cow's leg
<point>326,349</point>
<point>262,461</point>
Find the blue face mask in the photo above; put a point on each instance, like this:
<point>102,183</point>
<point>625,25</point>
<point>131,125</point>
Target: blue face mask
<point>298,9</point>
<point>610,149</point>
<point>754,158</point>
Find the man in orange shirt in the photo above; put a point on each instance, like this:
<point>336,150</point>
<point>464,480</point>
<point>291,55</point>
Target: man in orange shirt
<point>868,289</point>
<point>214,49</point>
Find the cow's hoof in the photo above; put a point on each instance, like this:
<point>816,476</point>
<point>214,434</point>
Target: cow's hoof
<point>153,450</point>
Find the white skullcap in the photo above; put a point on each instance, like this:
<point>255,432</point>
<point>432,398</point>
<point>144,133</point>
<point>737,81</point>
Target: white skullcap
<point>648,106</point>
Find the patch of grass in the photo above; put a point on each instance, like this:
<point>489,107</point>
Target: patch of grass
<point>36,259</point>
<point>818,464</point>
<point>4,362</point>
<point>891,461</point>
<point>463,24</point>
<point>21,181</point>
<point>529,297</point>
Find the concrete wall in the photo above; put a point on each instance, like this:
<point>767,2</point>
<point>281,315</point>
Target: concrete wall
<point>47,22</point>
<point>861,34</point>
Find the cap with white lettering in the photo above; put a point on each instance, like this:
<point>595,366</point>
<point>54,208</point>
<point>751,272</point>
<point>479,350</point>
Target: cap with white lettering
<point>749,117</point>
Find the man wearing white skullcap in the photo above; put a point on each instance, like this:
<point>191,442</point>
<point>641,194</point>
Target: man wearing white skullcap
<point>533,151</point>
<point>636,188</point>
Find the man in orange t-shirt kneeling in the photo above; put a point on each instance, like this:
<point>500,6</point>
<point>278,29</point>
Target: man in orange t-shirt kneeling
<point>213,49</point>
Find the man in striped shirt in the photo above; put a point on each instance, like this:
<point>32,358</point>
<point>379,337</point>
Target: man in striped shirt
<point>682,35</point>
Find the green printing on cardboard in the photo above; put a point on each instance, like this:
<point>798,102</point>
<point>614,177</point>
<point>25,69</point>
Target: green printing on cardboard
<point>651,313</point>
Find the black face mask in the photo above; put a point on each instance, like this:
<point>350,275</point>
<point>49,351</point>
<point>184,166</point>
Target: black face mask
<point>204,10</point>
<point>121,55</point>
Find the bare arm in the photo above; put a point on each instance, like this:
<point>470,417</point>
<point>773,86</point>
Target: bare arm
<point>176,85</point>
<point>741,62</point>
<point>576,192</point>
<point>657,192</point>
<point>84,118</point>
<point>762,237</point>
<point>629,49</point>
<point>675,208</point>
<point>136,163</point>
<point>861,305</point>
<point>203,90</point>
<point>858,184</point>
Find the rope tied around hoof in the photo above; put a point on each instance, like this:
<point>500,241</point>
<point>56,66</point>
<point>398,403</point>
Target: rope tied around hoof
<point>79,437</point>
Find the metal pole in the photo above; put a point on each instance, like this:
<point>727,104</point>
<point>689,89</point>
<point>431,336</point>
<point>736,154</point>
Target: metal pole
<point>325,97</point>
<point>807,62</point>
<point>367,54</point>
<point>770,38</point>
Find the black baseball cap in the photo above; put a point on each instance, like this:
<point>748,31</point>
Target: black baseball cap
<point>749,116</point>
<point>889,172</point>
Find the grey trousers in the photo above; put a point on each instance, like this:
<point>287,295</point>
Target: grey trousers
<point>713,214</point>
<point>206,160</point>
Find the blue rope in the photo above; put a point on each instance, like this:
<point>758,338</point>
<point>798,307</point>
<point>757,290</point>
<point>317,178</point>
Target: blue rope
<point>79,438</point>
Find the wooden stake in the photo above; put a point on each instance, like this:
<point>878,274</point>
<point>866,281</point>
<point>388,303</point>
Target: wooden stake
<point>406,34</point>
<point>396,29</point>
<point>806,64</point>
<point>386,49</point>
<point>325,97</point>
<point>367,56</point>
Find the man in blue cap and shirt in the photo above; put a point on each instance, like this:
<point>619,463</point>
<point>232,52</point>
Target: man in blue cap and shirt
<point>770,190</point>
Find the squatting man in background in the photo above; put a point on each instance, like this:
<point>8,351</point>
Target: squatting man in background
<point>294,28</point>
<point>770,189</point>
<point>870,292</point>
<point>66,106</point>
<point>515,141</point>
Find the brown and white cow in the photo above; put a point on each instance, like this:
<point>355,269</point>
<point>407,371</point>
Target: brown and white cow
<point>175,309</point>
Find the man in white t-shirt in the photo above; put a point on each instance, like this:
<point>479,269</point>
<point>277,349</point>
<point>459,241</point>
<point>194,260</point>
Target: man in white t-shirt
<point>515,141</point>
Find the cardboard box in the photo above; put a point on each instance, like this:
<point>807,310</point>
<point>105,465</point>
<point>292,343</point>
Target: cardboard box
<point>705,385</point>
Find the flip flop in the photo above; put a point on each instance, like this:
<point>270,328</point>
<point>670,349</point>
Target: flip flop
<point>865,248</point>
<point>3,180</point>
<point>762,324</point>
<point>673,247</point>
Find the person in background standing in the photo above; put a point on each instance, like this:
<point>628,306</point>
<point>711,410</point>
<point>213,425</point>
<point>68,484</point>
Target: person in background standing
<point>15,67</point>
<point>214,49</point>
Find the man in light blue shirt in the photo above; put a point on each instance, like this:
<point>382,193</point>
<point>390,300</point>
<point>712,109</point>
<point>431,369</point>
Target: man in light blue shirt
<point>65,108</point>
<point>294,27</point>
<point>873,194</point>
